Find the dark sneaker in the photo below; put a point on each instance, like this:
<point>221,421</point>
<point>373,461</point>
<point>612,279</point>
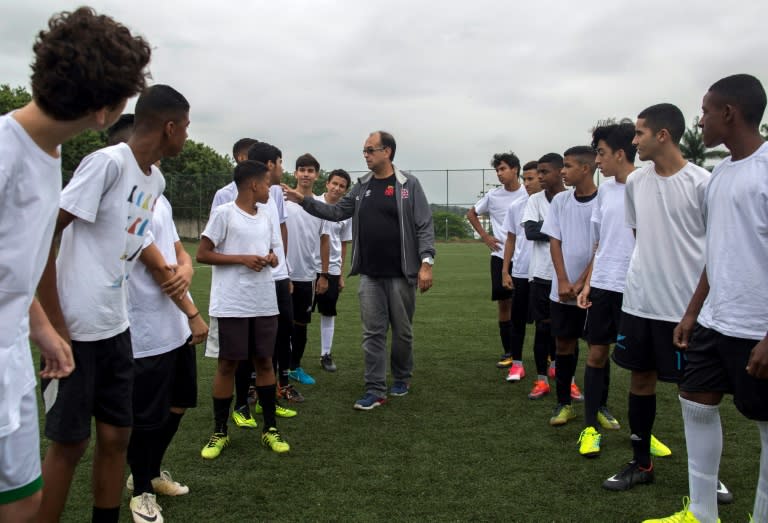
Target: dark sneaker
<point>290,394</point>
<point>369,402</point>
<point>327,362</point>
<point>629,476</point>
<point>724,496</point>
<point>399,388</point>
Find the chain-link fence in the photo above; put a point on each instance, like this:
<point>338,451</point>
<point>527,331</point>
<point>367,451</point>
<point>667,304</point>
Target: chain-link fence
<point>452,190</point>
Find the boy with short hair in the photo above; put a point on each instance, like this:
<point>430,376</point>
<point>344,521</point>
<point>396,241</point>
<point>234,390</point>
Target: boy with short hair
<point>239,241</point>
<point>494,204</point>
<point>570,242</point>
<point>727,350</point>
<point>105,213</point>
<point>515,268</point>
<point>334,238</point>
<point>97,86</point>
<point>664,205</point>
<point>602,292</point>
<point>303,259</point>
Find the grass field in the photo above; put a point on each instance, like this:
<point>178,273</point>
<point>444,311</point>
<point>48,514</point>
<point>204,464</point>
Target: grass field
<point>464,445</point>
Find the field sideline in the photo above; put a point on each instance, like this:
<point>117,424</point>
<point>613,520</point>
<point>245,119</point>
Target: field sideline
<point>463,445</point>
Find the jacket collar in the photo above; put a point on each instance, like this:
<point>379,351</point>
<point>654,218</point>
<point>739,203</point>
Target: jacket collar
<point>399,176</point>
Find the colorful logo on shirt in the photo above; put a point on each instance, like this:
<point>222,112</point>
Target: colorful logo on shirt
<point>390,190</point>
<point>404,193</point>
<point>143,205</point>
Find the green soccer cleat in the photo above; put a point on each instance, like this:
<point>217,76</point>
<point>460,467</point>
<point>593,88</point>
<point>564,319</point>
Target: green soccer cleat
<point>684,516</point>
<point>272,440</point>
<point>243,419</point>
<point>562,415</point>
<point>658,449</point>
<point>215,445</point>
<point>606,419</point>
<point>589,442</point>
<point>280,411</point>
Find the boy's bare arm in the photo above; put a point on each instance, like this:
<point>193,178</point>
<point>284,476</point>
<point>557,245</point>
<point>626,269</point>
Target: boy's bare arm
<point>183,271</point>
<point>47,290</point>
<point>206,254</point>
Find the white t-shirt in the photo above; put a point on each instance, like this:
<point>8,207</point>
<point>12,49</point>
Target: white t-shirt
<point>236,290</point>
<point>303,242</point>
<point>667,214</point>
<point>495,203</point>
<point>337,232</point>
<point>157,324</point>
<point>569,221</point>
<point>113,201</point>
<point>536,210</point>
<point>226,194</point>
<point>737,247</point>
<point>276,207</point>
<point>513,223</point>
<point>616,241</point>
<point>30,183</point>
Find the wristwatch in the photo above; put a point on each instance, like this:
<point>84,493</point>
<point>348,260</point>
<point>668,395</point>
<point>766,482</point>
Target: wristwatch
<point>428,259</point>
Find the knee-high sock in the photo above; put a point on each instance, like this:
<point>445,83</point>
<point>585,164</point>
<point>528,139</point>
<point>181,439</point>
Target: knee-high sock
<point>221,414</point>
<point>594,381</point>
<point>266,395</point>
<point>541,346</point>
<point>704,441</point>
<point>164,436</point>
<point>298,344</point>
<point>760,511</point>
<point>505,333</point>
<point>606,383</point>
<point>140,460</point>
<point>642,413</point>
<point>243,380</point>
<point>327,324</point>
<point>564,369</point>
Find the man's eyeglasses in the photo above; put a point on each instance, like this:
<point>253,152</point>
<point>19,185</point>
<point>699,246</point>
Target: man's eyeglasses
<point>371,150</point>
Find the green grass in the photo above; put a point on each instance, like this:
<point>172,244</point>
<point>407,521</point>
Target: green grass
<point>463,445</point>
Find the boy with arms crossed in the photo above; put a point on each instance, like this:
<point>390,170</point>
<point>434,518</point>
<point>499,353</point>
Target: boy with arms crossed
<point>570,242</point>
<point>517,254</point>
<point>105,213</point>
<point>334,238</point>
<point>495,204</point>
<point>664,206</point>
<point>81,93</point>
<point>602,291</point>
<point>727,350</point>
<point>239,241</point>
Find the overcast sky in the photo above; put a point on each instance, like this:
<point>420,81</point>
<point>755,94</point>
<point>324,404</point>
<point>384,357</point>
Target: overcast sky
<point>453,81</point>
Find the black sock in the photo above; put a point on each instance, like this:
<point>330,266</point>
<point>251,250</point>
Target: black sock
<point>593,393</point>
<point>541,342</point>
<point>505,333</point>
<point>642,412</point>
<point>298,344</point>
<point>606,383</point>
<point>517,340</point>
<point>565,365</point>
<point>140,460</point>
<point>164,436</point>
<point>221,414</point>
<point>267,401</point>
<point>242,382</point>
<point>105,515</point>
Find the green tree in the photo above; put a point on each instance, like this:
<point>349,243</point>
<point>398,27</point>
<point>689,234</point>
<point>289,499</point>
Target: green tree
<point>764,130</point>
<point>693,148</point>
<point>449,225</point>
<point>13,98</point>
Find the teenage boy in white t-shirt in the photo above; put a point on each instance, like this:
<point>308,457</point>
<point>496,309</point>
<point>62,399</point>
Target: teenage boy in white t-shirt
<point>494,204</point>
<point>334,238</point>
<point>240,242</point>
<point>303,256</point>
<point>30,183</point>
<point>602,292</point>
<point>727,350</point>
<point>272,157</point>
<point>665,208</point>
<point>540,268</point>
<point>105,213</point>
<point>515,268</point>
<point>570,243</point>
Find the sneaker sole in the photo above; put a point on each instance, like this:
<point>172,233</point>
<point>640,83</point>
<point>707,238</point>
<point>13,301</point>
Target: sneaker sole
<point>616,487</point>
<point>532,397</point>
<point>398,394</point>
<point>590,455</point>
<point>357,406</point>
<point>513,379</point>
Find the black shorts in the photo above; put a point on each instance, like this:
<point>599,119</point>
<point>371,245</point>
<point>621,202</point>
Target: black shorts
<point>520,300</point>
<point>538,307</point>
<point>567,320</point>
<point>101,386</point>
<point>645,345</point>
<point>161,382</point>
<point>498,291</point>
<point>603,317</point>
<point>717,363</point>
<point>303,292</point>
<point>247,338</point>
<point>326,302</point>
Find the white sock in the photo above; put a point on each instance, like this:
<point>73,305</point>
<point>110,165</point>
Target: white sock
<point>760,512</point>
<point>704,441</point>
<point>326,333</point>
